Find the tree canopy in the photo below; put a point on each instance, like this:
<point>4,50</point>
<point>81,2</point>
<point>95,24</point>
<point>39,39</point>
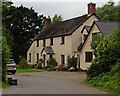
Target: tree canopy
<point>107,54</point>
<point>109,12</point>
<point>23,24</point>
<point>57,18</point>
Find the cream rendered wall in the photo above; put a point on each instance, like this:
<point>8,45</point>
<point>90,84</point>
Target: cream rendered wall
<point>64,49</point>
<point>77,35</point>
<point>84,65</point>
<point>59,49</point>
<point>76,39</point>
<point>32,51</point>
<point>90,21</point>
<point>38,49</point>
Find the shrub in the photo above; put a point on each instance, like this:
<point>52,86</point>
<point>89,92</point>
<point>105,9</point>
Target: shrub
<point>72,62</point>
<point>51,68</point>
<point>107,53</point>
<point>51,63</point>
<point>23,63</point>
<point>4,56</point>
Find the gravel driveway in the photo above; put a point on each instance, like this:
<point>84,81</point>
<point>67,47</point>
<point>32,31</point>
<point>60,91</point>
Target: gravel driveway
<point>51,83</point>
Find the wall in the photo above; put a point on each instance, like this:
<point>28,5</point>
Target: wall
<point>59,49</point>
<point>84,65</point>
<point>68,49</point>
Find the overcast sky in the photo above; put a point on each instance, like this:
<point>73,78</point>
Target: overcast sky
<point>66,8</point>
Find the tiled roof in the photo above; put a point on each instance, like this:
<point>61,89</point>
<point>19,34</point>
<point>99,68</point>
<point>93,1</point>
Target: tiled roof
<point>48,50</point>
<point>107,27</point>
<point>62,28</point>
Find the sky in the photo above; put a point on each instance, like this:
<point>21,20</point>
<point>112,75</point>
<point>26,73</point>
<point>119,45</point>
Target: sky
<point>66,8</point>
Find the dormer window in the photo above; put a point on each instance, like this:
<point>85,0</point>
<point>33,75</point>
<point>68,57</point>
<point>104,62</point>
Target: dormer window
<point>85,31</point>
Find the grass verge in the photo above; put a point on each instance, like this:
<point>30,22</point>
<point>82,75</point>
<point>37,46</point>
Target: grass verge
<point>19,70</point>
<point>4,85</point>
<point>106,83</point>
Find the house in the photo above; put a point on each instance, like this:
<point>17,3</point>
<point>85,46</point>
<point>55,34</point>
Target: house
<point>60,40</point>
<point>88,33</point>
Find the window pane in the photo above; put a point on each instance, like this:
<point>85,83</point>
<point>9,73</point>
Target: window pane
<point>44,42</point>
<point>62,59</point>
<point>37,43</point>
<point>51,41</point>
<point>29,57</point>
<point>37,57</point>
<point>88,56</point>
<point>62,40</point>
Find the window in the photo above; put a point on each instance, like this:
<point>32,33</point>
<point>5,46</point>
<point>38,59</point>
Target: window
<point>88,56</point>
<point>37,43</point>
<point>51,41</point>
<point>44,42</point>
<point>37,57</point>
<point>62,59</point>
<point>29,57</point>
<point>44,58</point>
<point>62,40</point>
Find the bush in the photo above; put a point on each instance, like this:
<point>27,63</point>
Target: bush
<point>107,53</point>
<point>72,62</point>
<point>23,63</point>
<point>4,56</point>
<point>107,82</point>
<point>51,63</point>
<point>50,68</point>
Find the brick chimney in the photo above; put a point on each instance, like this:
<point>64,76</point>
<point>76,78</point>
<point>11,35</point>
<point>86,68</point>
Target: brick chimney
<point>47,22</point>
<point>91,8</point>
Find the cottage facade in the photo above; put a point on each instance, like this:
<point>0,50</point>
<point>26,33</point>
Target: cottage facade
<point>60,40</point>
<point>68,38</point>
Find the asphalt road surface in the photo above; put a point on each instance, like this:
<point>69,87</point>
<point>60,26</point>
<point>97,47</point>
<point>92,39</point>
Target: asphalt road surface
<point>51,83</point>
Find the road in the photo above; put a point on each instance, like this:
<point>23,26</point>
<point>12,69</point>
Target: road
<point>51,83</point>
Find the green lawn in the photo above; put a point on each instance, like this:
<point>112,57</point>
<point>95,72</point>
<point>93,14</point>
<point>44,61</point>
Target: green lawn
<point>29,70</point>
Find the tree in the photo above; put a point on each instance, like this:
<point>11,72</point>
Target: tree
<point>108,54</point>
<point>57,18</point>
<point>94,44</point>
<point>5,49</point>
<point>109,12</point>
<point>24,24</point>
